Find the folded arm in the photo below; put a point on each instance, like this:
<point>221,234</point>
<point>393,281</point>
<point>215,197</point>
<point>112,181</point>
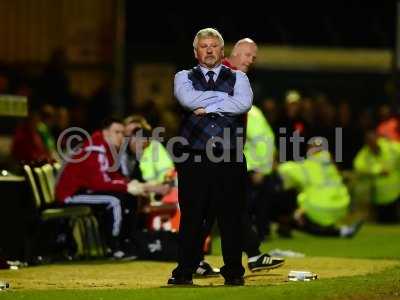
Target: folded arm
<point>237,104</point>
<point>190,98</point>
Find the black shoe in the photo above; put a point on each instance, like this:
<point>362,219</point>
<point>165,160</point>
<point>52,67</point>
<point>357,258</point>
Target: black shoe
<point>122,256</point>
<point>266,262</point>
<point>352,230</point>
<point>205,270</point>
<point>180,281</point>
<point>129,247</point>
<point>234,281</point>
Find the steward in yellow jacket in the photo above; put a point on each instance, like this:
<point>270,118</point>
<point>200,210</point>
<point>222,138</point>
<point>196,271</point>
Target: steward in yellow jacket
<point>379,160</point>
<point>322,198</point>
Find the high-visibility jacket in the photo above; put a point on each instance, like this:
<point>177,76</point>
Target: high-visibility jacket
<point>47,137</point>
<point>155,162</point>
<point>260,142</point>
<point>385,187</point>
<point>322,195</point>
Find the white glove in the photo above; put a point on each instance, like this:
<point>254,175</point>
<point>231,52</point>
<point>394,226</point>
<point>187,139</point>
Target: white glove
<point>135,188</point>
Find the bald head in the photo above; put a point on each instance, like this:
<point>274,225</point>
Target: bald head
<point>244,41</point>
<point>244,54</point>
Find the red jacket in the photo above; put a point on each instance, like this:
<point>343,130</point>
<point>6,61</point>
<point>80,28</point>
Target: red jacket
<point>90,174</point>
<point>28,145</point>
<point>226,63</point>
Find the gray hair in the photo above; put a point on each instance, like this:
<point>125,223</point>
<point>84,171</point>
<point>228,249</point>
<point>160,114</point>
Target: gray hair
<point>207,32</point>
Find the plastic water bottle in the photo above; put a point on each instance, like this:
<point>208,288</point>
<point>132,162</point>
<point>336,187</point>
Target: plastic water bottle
<point>4,285</point>
<point>302,276</point>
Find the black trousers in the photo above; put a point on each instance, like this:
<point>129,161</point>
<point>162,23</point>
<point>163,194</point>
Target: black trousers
<point>208,189</point>
<point>309,226</point>
<point>250,239</point>
<point>388,214</point>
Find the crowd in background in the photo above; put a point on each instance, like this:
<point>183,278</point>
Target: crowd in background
<point>54,105</point>
<point>54,108</point>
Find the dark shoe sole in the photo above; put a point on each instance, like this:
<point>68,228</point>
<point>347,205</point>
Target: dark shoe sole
<point>238,282</point>
<point>256,269</point>
<point>199,276</point>
<point>173,282</point>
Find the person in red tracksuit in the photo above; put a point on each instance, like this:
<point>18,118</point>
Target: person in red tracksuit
<point>88,178</point>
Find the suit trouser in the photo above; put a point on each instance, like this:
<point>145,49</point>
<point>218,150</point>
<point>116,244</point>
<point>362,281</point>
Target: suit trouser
<point>209,188</point>
<point>250,240</point>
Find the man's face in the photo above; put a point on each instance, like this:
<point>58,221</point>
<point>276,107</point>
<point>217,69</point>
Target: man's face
<point>246,55</point>
<point>209,52</point>
<point>114,134</point>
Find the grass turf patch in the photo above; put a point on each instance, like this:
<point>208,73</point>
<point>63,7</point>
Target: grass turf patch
<point>373,241</point>
<point>141,274</point>
<point>340,278</point>
<point>384,285</point>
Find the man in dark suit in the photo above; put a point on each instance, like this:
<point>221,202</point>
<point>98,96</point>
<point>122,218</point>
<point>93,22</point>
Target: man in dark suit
<point>212,175</point>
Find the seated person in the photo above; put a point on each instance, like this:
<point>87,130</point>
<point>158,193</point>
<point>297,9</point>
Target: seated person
<point>322,198</point>
<point>89,177</point>
<point>140,161</point>
<point>150,170</point>
<point>155,162</point>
